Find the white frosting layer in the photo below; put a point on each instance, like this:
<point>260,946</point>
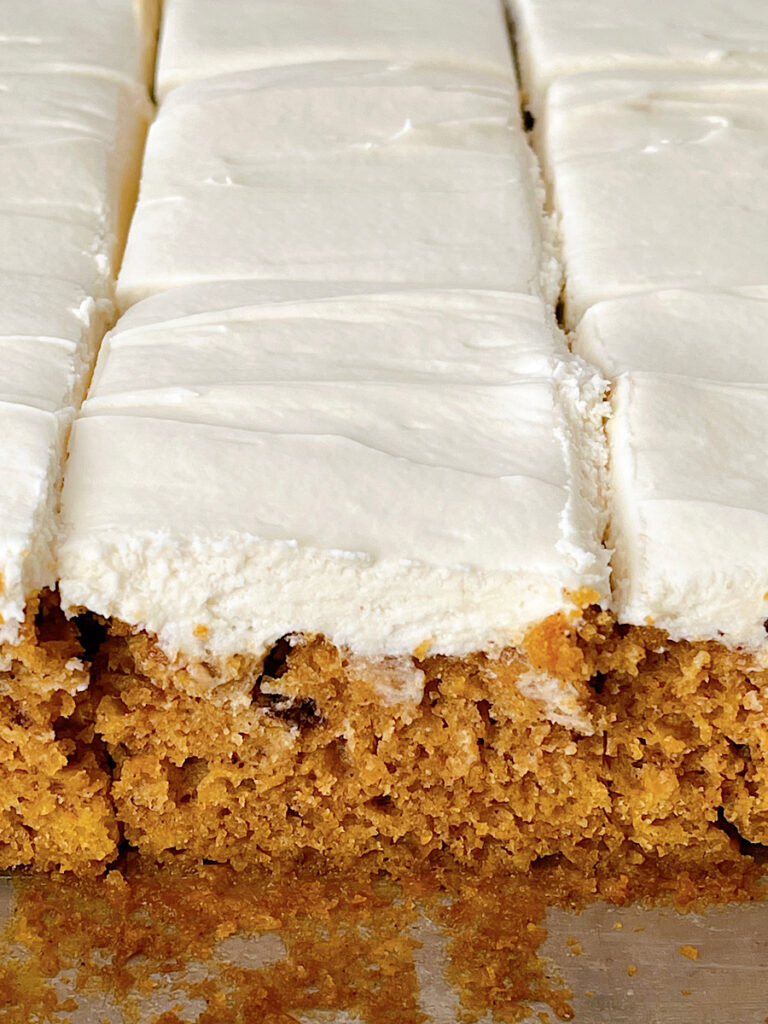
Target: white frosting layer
<point>719,336</point>
<point>560,37</point>
<point>46,373</point>
<point>639,164</point>
<point>201,39</point>
<point>58,242</point>
<point>72,141</point>
<point>182,344</point>
<point>346,171</point>
<point>45,306</point>
<point>240,483</point>
<point>49,329</point>
<point>109,38</point>
<point>689,474</point>
<point>71,126</point>
<point>31,448</point>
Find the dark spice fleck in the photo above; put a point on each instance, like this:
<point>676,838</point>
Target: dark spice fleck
<point>301,713</point>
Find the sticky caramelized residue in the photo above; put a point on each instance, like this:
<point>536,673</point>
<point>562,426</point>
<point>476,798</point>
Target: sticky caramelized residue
<point>337,942</point>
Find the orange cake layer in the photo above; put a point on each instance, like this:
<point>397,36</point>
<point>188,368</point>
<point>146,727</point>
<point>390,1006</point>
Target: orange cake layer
<point>299,755</point>
<point>55,807</point>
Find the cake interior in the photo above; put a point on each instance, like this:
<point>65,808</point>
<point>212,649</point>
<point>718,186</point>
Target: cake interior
<point>659,751</point>
<point>56,812</point>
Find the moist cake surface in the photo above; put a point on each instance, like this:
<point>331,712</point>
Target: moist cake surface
<point>340,171</point>
<point>688,436</point>
<point>636,166</point>
<point>373,511</point>
<point>559,38</point>
<point>200,39</point>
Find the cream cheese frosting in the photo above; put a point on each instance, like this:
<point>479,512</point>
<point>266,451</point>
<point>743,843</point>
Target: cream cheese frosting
<point>638,168</point>
<point>383,512</point>
<point>75,141</point>
<point>339,171</point>
<point>31,449</point>
<point>268,332</point>
<point>201,39</point>
<point>688,471</point>
<point>59,241</point>
<point>71,128</point>
<point>46,373</point>
<point>49,328</point>
<point>50,331</point>
<point>108,38</point>
<point>42,307</point>
<point>718,336</point>
<point>556,38</point>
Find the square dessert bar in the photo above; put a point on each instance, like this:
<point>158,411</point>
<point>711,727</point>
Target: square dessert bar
<point>366,581</point>
<point>71,154</point>
<point>201,39</point>
<point>67,172</point>
<point>559,38</point>
<point>72,119</point>
<point>688,436</point>
<point>112,39</point>
<point>660,182</point>
<point>351,170</point>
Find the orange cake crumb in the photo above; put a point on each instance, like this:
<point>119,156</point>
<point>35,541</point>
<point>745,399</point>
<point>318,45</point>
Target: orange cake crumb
<point>343,942</point>
<point>56,811</point>
<point>298,755</point>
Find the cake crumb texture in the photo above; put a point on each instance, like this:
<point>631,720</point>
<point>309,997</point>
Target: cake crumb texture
<point>351,943</point>
<point>55,809</point>
<point>298,756</point>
